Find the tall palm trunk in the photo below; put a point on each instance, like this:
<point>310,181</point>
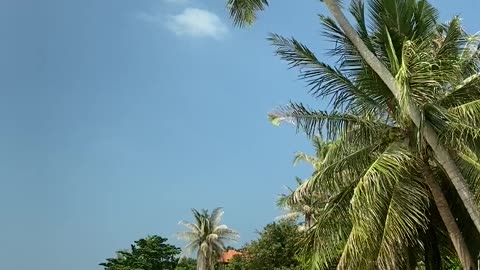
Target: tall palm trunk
<point>308,221</point>
<point>441,153</point>
<point>433,260</point>
<point>448,218</point>
<point>201,261</point>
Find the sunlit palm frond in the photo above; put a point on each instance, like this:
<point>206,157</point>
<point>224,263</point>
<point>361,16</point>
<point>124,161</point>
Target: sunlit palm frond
<point>303,157</point>
<point>290,216</point>
<point>342,165</point>
<point>458,126</point>
<point>381,213</point>
<point>467,114</point>
<point>324,241</point>
<point>406,217</point>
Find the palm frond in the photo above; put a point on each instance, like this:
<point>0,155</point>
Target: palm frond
<point>243,12</point>
<point>303,157</point>
<point>323,242</point>
<point>191,226</point>
<point>290,216</point>
<point>378,206</point>
<point>406,216</point>
<point>342,165</point>
<point>469,163</point>
<point>334,124</point>
<point>216,216</point>
<point>324,81</point>
<point>468,91</point>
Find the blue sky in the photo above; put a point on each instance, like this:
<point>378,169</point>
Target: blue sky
<point>118,116</point>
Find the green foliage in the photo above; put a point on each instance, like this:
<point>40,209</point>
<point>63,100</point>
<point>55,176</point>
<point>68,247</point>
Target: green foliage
<point>150,253</point>
<point>187,264</point>
<point>274,249</point>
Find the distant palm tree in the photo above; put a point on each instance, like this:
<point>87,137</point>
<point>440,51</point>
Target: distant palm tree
<point>206,237</point>
<point>306,204</point>
<point>296,208</point>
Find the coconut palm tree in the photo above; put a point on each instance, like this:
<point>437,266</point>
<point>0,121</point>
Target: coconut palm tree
<point>364,120</point>
<point>378,211</point>
<point>243,12</point>
<point>207,237</point>
<point>397,46</point>
<point>305,204</point>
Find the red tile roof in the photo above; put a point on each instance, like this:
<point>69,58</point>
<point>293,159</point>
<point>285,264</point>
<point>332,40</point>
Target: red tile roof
<point>228,255</point>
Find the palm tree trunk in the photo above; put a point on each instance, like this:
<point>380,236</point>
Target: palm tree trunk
<point>201,261</point>
<point>448,218</point>
<point>308,221</point>
<point>433,260</point>
<point>411,263</point>
<point>441,153</point>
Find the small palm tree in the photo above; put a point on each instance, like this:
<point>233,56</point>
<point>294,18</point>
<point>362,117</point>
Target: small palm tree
<point>207,237</point>
<point>307,204</point>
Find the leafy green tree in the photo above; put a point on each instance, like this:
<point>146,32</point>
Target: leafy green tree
<point>206,237</point>
<point>149,253</point>
<point>274,249</point>
<point>187,264</point>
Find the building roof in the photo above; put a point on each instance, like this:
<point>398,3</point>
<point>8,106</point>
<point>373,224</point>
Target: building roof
<point>228,255</point>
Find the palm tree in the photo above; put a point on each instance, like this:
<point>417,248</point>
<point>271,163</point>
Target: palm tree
<point>359,116</point>
<point>207,237</point>
<point>306,204</point>
<point>442,93</point>
<point>378,210</point>
<point>243,12</point>
<point>393,44</point>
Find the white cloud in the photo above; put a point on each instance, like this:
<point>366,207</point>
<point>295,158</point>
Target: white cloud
<point>197,23</point>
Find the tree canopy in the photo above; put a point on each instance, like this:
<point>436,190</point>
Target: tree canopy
<point>149,253</point>
<point>275,248</point>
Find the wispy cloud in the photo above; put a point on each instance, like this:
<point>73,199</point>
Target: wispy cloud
<point>198,23</point>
